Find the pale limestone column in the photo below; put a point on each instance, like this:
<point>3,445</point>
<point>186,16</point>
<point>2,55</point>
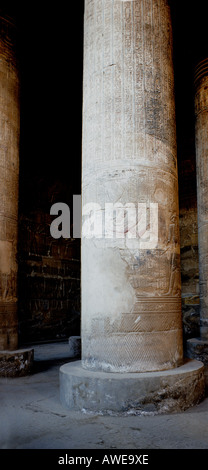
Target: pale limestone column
<point>201,143</point>
<point>9,171</point>
<point>131,291</point>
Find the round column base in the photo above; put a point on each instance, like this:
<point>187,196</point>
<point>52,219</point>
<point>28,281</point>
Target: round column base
<point>16,363</point>
<point>151,392</point>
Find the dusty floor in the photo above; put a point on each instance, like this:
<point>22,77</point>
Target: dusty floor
<point>31,417</point>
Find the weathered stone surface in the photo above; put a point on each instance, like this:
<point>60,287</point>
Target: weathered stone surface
<point>9,172</point>
<point>156,392</point>
<point>131,293</point>
<point>16,363</point>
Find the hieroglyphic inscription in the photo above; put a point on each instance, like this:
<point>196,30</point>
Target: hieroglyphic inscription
<point>129,156</point>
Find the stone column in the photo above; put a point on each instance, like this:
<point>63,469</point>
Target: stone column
<point>198,347</point>
<point>131,288</point>
<point>201,142</point>
<point>9,181</point>
<point>131,291</point>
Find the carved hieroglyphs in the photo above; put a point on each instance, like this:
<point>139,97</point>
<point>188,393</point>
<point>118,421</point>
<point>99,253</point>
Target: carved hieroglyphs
<point>9,174</point>
<point>201,141</point>
<point>131,296</point>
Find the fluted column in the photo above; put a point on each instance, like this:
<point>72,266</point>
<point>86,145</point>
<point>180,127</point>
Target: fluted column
<point>131,291</point>
<point>201,142</point>
<point>9,173</point>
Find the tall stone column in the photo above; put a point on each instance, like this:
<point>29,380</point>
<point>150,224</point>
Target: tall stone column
<point>199,347</point>
<point>131,290</point>
<point>9,181</point>
<point>201,143</point>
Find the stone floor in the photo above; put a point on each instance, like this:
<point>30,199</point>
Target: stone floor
<point>31,416</point>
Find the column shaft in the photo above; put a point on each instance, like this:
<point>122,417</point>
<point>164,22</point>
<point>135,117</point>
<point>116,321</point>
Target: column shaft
<point>201,142</point>
<point>131,291</point>
<point>9,170</point>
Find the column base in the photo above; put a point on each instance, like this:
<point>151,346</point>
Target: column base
<point>156,392</point>
<point>16,363</point>
<point>197,348</point>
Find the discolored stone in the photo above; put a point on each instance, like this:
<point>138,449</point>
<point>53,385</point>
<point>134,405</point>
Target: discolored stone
<point>156,392</point>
